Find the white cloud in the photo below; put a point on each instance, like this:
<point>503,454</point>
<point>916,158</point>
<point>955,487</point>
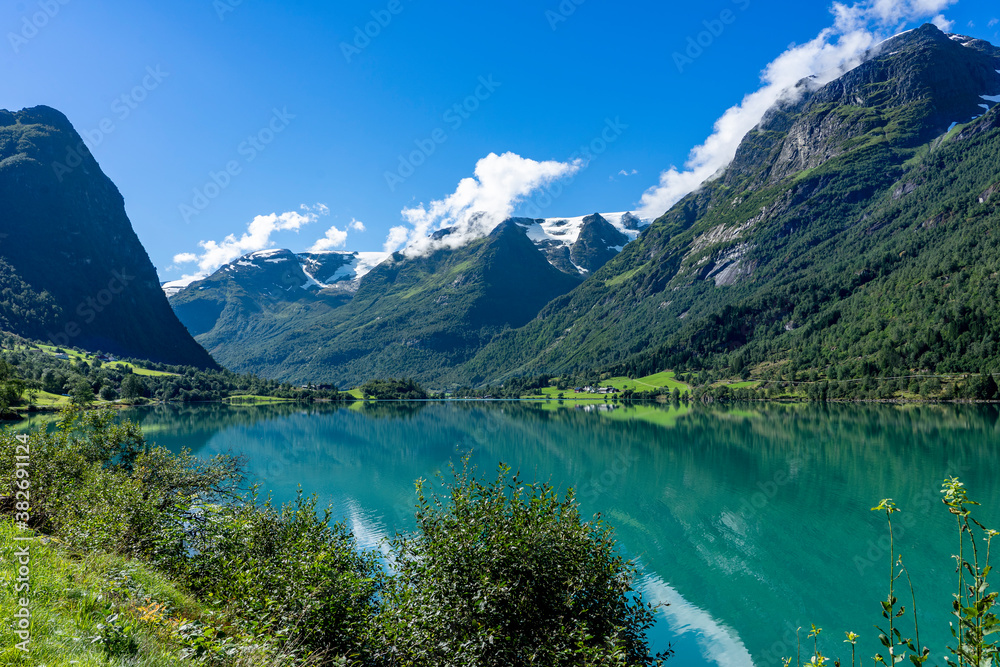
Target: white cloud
<point>942,23</point>
<point>357,225</point>
<point>397,237</point>
<point>319,209</point>
<point>993,22</point>
<point>885,14</point>
<point>834,51</point>
<point>624,172</point>
<point>478,204</point>
<point>215,254</point>
<point>334,238</point>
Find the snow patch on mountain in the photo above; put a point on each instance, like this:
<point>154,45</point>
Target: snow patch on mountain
<point>355,266</point>
<point>566,231</point>
<point>174,286</point>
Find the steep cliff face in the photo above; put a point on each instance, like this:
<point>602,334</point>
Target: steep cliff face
<point>839,234</point>
<point>68,246</point>
<point>912,89</point>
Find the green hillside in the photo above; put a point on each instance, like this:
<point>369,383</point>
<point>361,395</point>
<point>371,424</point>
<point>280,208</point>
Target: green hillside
<point>410,317</point>
<point>855,232</point>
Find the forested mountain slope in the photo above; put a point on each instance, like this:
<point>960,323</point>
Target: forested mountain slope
<point>72,270</point>
<point>857,229</point>
<point>409,316</point>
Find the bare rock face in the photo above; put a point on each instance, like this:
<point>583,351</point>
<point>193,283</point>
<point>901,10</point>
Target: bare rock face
<point>599,241</point>
<point>911,90</point>
<point>67,245</point>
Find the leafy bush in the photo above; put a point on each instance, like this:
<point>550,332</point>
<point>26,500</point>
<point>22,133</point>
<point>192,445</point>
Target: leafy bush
<point>98,485</point>
<point>506,573</point>
<point>293,574</point>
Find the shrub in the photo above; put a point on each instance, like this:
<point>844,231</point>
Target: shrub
<point>295,576</point>
<point>506,573</point>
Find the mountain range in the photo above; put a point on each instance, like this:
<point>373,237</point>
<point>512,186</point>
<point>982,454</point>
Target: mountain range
<point>346,317</point>
<point>854,233</point>
<point>854,230</point>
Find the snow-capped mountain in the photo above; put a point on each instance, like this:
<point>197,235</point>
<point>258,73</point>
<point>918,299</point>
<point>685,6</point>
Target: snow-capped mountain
<point>425,308</point>
<point>573,245</point>
<point>285,270</point>
<point>339,270</point>
<point>582,244</point>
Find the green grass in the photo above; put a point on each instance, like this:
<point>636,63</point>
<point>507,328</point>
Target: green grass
<point>665,380</point>
<point>71,596</point>
<point>45,399</point>
<point>623,277</point>
<point>139,370</point>
<point>90,358</point>
<point>749,384</point>
<point>356,393</point>
<point>568,394</point>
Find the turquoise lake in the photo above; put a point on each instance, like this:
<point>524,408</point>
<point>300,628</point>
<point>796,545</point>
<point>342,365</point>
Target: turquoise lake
<point>748,521</point>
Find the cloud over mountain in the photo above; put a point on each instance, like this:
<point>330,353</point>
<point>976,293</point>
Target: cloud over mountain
<point>836,50</point>
<point>478,204</point>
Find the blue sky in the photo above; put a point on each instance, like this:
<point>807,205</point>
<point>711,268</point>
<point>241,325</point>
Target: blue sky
<point>301,110</point>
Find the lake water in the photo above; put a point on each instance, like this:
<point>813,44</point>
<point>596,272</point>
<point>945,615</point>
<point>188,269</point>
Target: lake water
<point>749,522</point>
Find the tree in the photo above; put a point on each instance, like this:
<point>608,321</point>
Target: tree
<point>983,388</point>
<point>11,386</point>
<point>506,573</point>
<point>131,388</point>
<point>393,390</point>
<point>81,393</point>
<point>33,389</point>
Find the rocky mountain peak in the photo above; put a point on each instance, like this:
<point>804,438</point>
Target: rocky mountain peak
<point>909,90</point>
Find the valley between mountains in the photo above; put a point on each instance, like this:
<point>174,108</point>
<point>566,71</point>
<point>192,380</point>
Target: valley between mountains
<point>854,234</point>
